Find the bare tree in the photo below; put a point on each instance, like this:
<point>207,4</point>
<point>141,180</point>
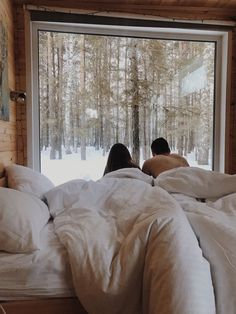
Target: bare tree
<point>135,102</point>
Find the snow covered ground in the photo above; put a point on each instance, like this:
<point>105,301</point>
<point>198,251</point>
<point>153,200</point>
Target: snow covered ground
<point>72,167</point>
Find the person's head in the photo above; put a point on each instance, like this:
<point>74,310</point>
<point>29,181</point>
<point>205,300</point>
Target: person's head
<point>119,157</point>
<point>160,146</point>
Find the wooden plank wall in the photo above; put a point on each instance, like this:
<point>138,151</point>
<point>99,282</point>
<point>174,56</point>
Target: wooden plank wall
<point>20,72</point>
<point>210,10</point>
<point>8,150</point>
<point>232,127</point>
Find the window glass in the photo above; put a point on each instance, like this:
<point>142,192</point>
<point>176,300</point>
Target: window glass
<point>96,90</point>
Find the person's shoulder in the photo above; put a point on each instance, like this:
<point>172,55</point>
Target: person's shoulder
<point>147,166</point>
<point>149,159</point>
<point>179,158</point>
<point>173,155</point>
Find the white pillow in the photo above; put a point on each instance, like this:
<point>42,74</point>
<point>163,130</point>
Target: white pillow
<point>22,217</point>
<point>27,180</point>
<point>64,195</point>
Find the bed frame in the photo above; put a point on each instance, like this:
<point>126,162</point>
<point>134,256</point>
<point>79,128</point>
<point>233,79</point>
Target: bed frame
<point>3,180</point>
<point>45,306</point>
<point>39,306</point>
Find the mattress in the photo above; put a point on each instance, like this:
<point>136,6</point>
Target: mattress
<point>43,273</point>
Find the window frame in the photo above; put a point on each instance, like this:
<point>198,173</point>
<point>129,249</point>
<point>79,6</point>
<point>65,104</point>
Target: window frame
<point>222,38</point>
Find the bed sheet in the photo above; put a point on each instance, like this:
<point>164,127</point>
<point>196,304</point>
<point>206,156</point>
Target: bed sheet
<point>42,273</point>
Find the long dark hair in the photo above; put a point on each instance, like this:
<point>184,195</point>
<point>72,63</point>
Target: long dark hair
<point>119,157</point>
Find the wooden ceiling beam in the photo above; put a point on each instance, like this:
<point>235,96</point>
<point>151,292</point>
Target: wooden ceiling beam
<point>186,3</point>
<point>221,11</point>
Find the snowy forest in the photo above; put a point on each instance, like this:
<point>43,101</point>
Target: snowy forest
<point>98,90</point>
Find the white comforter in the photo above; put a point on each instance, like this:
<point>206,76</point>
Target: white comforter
<point>131,247</point>
<point>214,223</point>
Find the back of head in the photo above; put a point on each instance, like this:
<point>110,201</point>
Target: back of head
<point>119,157</point>
<point>160,146</point>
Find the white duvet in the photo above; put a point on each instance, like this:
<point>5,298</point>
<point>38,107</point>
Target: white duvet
<point>131,247</point>
<point>214,223</point>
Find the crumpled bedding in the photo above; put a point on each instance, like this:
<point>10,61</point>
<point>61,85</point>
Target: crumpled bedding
<point>213,222</point>
<point>131,247</point>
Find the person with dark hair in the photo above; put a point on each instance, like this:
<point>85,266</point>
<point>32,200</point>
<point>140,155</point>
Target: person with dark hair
<point>119,157</point>
<point>160,146</point>
<point>162,159</point>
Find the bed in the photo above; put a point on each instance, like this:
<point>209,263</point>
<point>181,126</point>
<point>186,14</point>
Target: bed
<point>126,243</point>
<point>38,281</point>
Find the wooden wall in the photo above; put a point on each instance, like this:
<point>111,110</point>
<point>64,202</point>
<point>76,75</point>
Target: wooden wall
<point>208,10</point>
<point>8,150</point>
<point>20,72</point>
<point>232,126</point>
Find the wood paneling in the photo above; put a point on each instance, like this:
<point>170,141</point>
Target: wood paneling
<point>232,135</point>
<point>184,9</point>
<point>8,129</point>
<point>7,158</point>
<point>178,3</point>
<point>211,9</point>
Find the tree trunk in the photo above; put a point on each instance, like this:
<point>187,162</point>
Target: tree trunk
<point>135,103</point>
<point>83,100</point>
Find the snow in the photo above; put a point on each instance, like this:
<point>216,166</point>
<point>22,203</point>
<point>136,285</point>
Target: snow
<point>72,167</point>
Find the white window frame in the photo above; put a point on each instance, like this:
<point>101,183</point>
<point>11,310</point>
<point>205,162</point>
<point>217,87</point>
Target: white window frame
<point>222,77</point>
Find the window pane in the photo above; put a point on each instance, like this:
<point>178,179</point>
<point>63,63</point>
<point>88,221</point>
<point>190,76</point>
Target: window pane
<point>95,91</point>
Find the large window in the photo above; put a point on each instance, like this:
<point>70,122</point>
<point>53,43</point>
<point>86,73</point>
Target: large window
<point>94,86</point>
